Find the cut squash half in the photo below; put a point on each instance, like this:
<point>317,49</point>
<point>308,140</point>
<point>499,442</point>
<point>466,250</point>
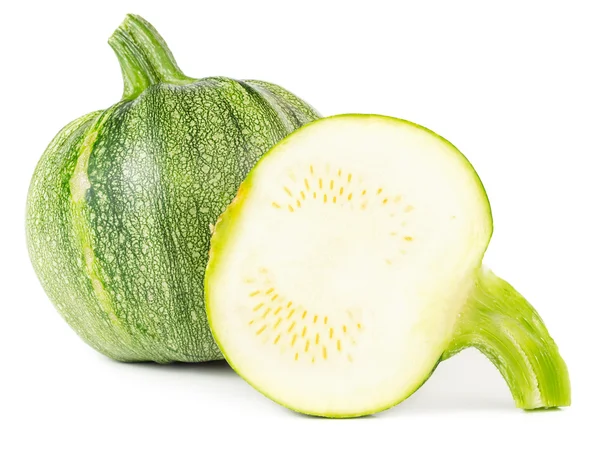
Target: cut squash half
<point>349,265</point>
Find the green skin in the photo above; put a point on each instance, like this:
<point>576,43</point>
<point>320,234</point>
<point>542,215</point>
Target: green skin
<point>121,205</point>
<point>495,319</point>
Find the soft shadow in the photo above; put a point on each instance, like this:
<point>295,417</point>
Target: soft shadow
<point>317,417</point>
<point>217,368</point>
<point>467,382</point>
<point>544,409</point>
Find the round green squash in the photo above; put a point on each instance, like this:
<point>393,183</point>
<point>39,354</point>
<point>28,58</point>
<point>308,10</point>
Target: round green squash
<point>122,203</point>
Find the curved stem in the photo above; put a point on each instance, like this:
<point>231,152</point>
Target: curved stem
<point>144,56</point>
<point>499,322</point>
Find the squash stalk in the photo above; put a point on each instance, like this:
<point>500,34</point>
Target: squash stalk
<point>500,323</point>
<point>144,57</point>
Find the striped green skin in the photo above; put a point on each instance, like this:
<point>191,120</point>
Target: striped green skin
<point>121,206</point>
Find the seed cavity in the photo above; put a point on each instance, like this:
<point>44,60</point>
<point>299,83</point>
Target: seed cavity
<point>325,336</point>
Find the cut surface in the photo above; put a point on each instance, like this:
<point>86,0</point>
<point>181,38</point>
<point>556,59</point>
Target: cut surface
<point>337,273</point>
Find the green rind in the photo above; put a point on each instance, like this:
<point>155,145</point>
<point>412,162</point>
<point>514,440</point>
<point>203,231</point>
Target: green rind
<point>499,322</point>
<point>160,170</point>
<point>296,111</point>
<point>226,227</point>
<point>54,245</point>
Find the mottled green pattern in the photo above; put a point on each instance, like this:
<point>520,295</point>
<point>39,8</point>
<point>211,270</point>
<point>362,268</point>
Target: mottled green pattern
<point>54,246</point>
<point>162,168</point>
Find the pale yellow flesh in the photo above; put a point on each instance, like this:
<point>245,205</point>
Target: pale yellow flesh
<point>351,255</point>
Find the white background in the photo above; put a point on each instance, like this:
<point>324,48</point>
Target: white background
<point>515,85</point>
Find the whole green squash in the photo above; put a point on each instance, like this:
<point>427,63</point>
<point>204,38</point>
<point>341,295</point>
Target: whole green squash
<point>121,205</point>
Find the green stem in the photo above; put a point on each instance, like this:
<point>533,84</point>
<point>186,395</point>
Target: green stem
<point>500,323</point>
<point>144,56</point>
